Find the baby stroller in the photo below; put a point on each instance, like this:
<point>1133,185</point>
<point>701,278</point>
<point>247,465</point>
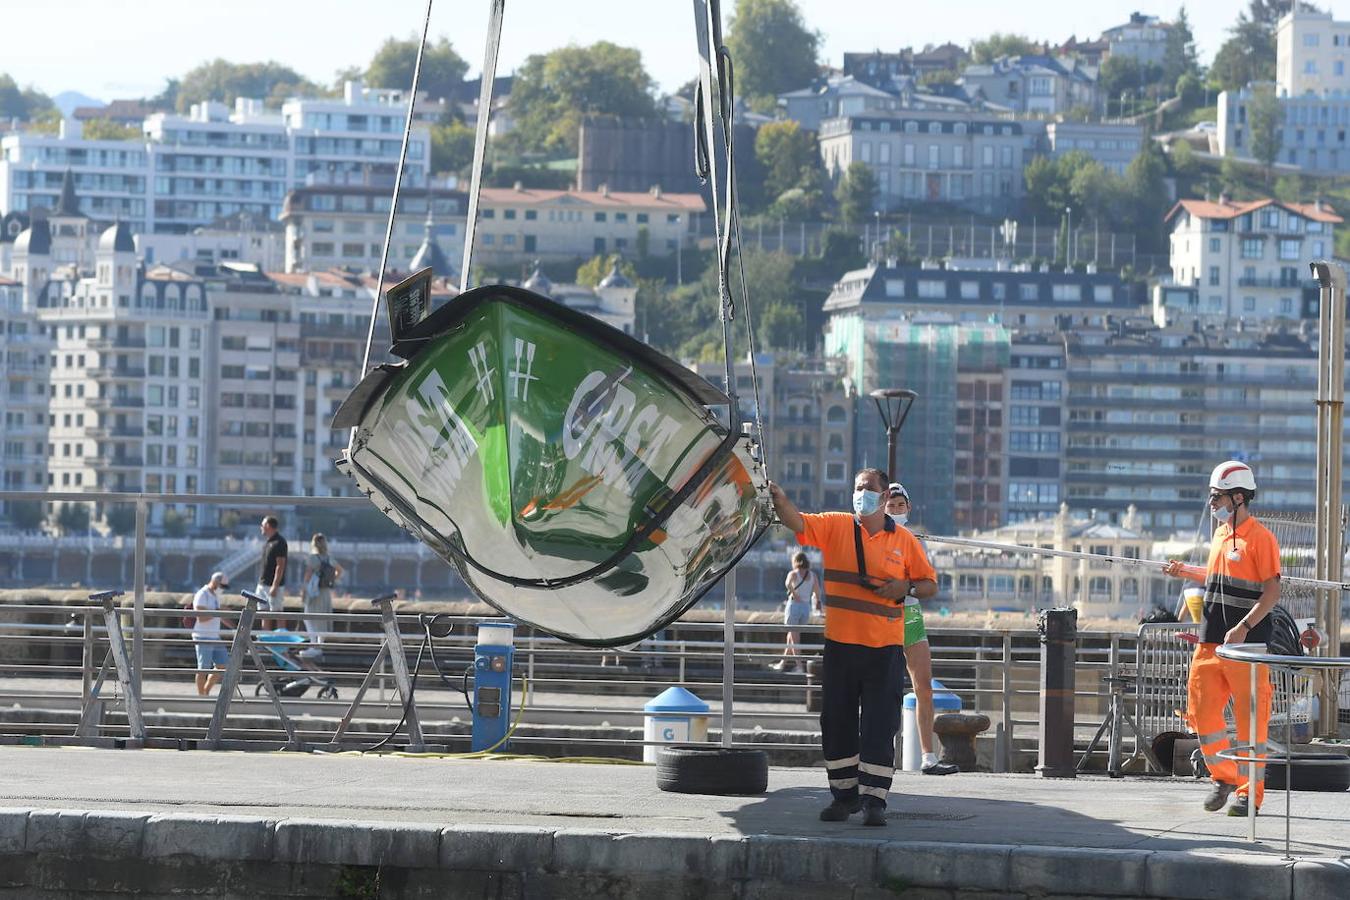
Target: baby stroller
<point>287,648</point>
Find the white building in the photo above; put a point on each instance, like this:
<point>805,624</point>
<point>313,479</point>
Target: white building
<point>1245,260</point>
<point>1113,144</point>
<point>1311,52</point>
<point>520,224</point>
<point>1143,38</point>
<point>344,225</point>
<point>191,170</point>
<point>237,238</point>
<point>612,301</point>
<point>23,392</point>
<point>921,157</point>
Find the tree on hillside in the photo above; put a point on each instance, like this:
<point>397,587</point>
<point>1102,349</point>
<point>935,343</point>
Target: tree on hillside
<point>1122,74</point>
<point>772,50</point>
<point>1146,190</point>
<point>225,81</point>
<point>442,68</point>
<point>1180,57</point>
<point>998,44</point>
<point>593,271</point>
<point>451,146</point>
<point>26,515</point>
<point>1264,115</point>
<point>857,193</point>
<point>788,154</point>
<point>1249,54</point>
<point>23,104</point>
<point>553,91</point>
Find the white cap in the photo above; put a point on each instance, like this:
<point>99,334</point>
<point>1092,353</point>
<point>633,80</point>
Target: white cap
<point>897,490</point>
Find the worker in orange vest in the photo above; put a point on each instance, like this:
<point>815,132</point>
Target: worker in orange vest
<point>1242,585</point>
<point>871,565</point>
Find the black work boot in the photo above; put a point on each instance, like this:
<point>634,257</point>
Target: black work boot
<point>1218,796</point>
<point>840,810</point>
<point>874,813</point>
<point>1241,806</point>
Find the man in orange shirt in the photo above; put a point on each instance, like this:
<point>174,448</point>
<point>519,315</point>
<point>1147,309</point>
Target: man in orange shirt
<point>871,565</point>
<point>1242,585</point>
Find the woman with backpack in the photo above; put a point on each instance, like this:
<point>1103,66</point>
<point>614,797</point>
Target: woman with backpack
<point>803,598</point>
<point>321,573</point>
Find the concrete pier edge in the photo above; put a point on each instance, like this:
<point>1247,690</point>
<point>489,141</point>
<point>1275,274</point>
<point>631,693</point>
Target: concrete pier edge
<point>110,852</point>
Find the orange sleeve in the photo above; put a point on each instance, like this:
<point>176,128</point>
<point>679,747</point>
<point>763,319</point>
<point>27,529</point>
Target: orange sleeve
<point>817,531</point>
<point>917,566</point>
<point>1268,560</point>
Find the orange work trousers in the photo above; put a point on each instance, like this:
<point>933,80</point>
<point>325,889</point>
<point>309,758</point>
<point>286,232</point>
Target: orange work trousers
<point>1213,682</point>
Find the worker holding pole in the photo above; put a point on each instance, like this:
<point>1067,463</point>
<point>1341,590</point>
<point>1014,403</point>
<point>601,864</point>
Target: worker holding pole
<point>1242,586</point>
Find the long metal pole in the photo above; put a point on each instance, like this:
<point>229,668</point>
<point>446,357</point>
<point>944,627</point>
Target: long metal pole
<point>138,601</point>
<point>1103,557</point>
<point>1330,424</point>
<point>728,655</point>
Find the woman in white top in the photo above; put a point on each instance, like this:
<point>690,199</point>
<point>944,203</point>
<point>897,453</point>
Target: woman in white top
<point>803,598</point>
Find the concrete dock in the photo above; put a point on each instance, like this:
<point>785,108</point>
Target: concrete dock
<point>85,822</point>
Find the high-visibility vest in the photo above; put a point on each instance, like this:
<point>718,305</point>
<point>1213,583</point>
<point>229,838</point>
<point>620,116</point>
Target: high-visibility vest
<point>854,614</point>
<point>1241,561</point>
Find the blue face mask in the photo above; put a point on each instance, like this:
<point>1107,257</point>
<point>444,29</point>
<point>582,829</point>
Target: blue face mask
<point>899,518</point>
<point>866,502</point>
<point>1221,514</point>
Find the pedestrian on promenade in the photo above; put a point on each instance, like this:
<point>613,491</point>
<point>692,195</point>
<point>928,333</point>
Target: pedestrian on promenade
<point>803,599</point>
<point>212,654</point>
<point>918,655</point>
<point>870,566</point>
<point>271,569</point>
<point>321,573</point>
<point>1242,586</point>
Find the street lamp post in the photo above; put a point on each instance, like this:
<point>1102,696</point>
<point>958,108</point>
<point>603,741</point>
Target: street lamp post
<point>1068,236</point>
<point>679,250</point>
<point>894,405</point>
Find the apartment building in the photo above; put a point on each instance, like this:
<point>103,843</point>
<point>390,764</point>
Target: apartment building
<point>1311,52</point>
<point>808,410</point>
<point>1151,410</point>
<point>23,392</point>
<point>1033,391</point>
<point>932,157</point>
<point>1143,38</point>
<point>1033,84</point>
<point>1017,297</point>
<point>520,224</point>
<point>188,171</point>
<point>1245,260</point>
<point>1113,144</point>
<point>344,225</point>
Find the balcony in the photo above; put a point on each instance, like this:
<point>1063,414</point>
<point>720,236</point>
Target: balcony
<point>118,373</point>
<point>117,343</point>
<point>119,462</point>
<point>1275,281</point>
<point>116,402</point>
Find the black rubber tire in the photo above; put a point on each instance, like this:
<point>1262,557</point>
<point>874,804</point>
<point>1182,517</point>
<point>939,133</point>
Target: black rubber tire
<point>1309,778</point>
<point>328,692</point>
<point>710,769</point>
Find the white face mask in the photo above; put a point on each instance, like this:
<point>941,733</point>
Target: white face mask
<point>866,502</point>
<point>899,518</point>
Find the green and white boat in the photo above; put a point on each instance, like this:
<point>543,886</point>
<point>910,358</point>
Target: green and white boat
<point>579,480</point>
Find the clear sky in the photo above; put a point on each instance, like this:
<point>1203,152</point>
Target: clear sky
<point>126,48</point>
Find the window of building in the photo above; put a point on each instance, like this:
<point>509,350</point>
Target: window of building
<point>1214,276</point>
<point>1214,245</point>
<point>1249,304</point>
<point>1251,248</point>
<point>1289,248</point>
<point>932,289</point>
<point>1028,291</point>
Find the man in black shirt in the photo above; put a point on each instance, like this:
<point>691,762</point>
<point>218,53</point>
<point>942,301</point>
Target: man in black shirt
<point>272,571</point>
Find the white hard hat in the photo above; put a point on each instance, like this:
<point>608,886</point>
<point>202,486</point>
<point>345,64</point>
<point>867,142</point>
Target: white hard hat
<point>1232,475</point>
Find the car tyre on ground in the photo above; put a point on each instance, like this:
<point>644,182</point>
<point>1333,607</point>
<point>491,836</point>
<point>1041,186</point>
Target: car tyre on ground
<point>710,769</point>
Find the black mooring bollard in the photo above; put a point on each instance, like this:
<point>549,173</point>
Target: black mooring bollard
<point>1059,633</point>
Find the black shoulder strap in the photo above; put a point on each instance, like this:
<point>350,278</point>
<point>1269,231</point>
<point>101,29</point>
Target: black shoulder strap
<point>857,545</point>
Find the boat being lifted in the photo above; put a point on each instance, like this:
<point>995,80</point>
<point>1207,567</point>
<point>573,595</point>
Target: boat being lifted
<point>579,480</point>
